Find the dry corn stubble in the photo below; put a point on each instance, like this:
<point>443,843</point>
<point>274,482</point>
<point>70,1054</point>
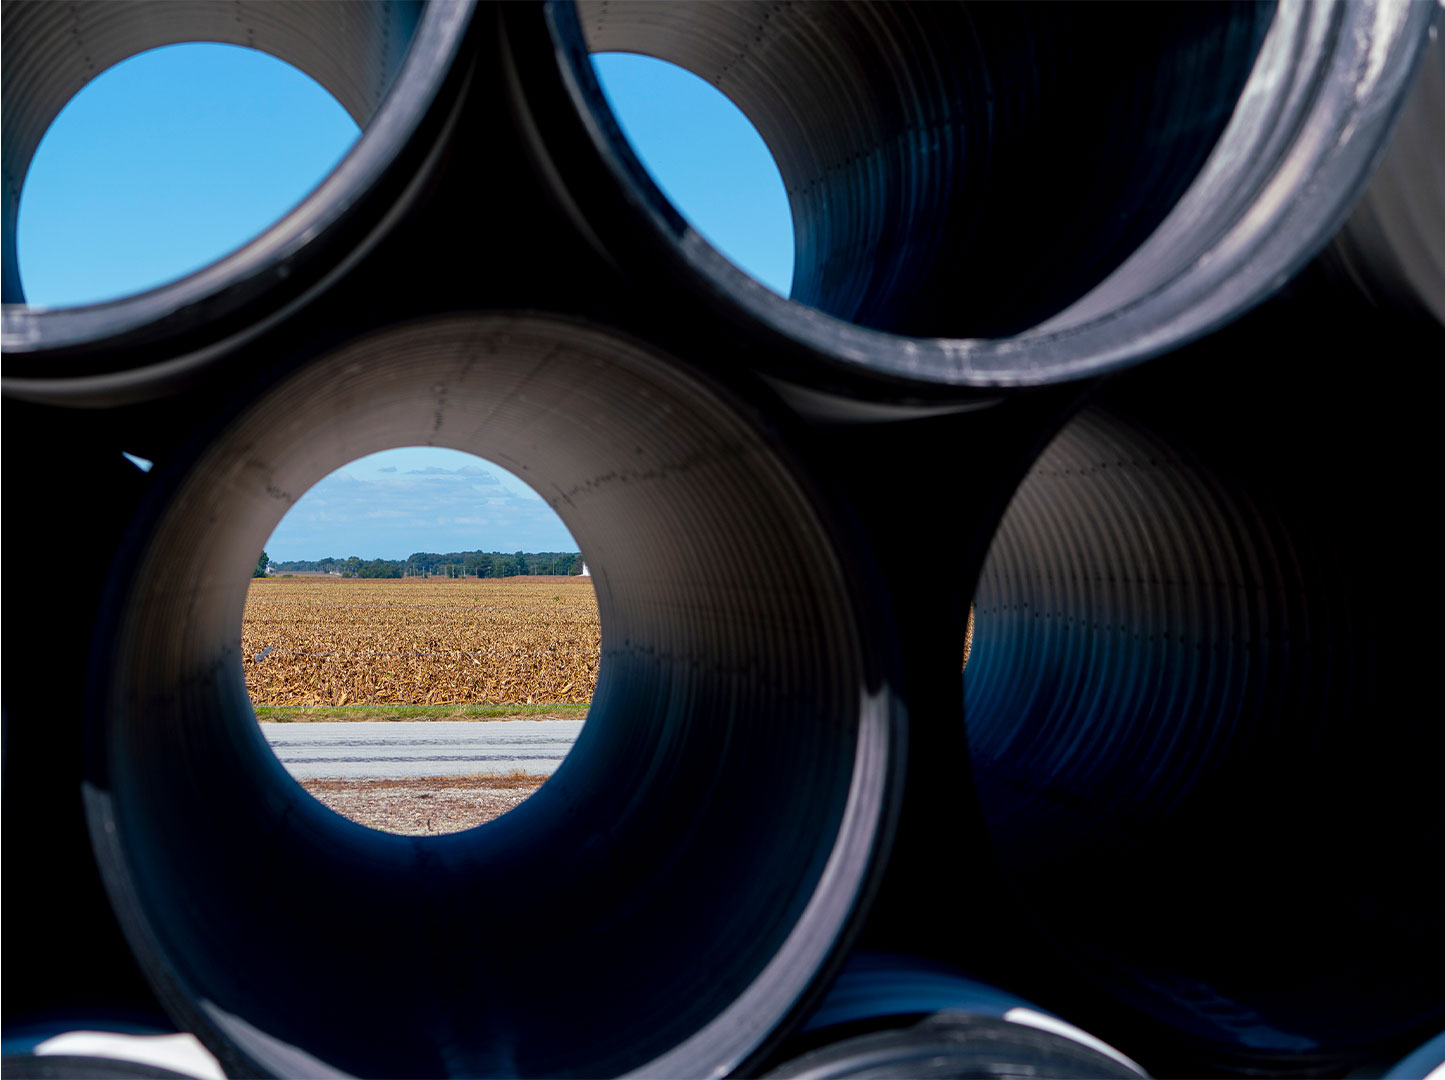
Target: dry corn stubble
<point>420,641</point>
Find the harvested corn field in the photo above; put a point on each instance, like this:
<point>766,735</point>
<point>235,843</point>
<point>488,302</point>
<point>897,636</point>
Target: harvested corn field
<point>420,641</point>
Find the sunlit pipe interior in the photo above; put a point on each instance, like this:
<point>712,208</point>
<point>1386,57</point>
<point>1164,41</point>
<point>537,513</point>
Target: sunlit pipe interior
<point>99,1045</point>
<point>961,170</point>
<point>891,1015</point>
<point>50,51</point>
<point>1188,708</point>
<point>664,899</point>
<point>1392,248</point>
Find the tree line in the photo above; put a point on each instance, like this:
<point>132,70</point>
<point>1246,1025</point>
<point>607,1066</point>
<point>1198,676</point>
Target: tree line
<point>453,564</point>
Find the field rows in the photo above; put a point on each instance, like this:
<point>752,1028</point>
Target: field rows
<point>359,641</point>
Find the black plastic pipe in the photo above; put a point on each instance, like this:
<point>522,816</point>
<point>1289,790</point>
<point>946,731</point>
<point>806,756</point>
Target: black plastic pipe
<point>391,66</point>
<point>889,1016</point>
<point>985,196</point>
<point>1196,690</point>
<point>1188,806</point>
<point>677,889</point>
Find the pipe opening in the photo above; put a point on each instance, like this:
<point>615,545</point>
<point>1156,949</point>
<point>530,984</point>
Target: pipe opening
<point>962,170</point>
<point>1189,695</point>
<point>686,873</point>
<point>52,51</point>
<point>166,162</point>
<point>708,159</point>
<point>434,684</point>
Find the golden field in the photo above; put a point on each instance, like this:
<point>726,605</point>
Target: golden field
<point>420,641</point>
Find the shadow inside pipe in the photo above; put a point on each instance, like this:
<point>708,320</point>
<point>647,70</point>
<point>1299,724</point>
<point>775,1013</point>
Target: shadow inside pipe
<point>1196,694</point>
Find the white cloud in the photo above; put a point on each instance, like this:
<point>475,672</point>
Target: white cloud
<point>447,502</point>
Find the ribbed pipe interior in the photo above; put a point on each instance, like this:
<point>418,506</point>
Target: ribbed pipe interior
<point>961,170</point>
<point>729,779</point>
<point>1189,708</point>
<point>51,50</point>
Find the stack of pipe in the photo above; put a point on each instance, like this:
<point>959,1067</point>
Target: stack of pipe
<point>1113,325</point>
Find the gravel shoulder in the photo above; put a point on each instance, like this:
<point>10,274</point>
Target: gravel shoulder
<point>424,807</point>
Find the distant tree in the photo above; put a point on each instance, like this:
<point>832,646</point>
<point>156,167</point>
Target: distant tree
<point>452,564</point>
<point>261,565</point>
<point>380,568</point>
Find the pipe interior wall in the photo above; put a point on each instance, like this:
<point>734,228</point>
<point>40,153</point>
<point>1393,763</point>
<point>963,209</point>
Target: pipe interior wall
<point>649,898</point>
<point>961,170</point>
<point>1194,690</point>
<point>50,51</point>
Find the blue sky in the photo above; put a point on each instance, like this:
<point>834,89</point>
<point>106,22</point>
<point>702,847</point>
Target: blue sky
<point>707,158</point>
<point>389,505</point>
<point>175,157</point>
<point>164,163</point>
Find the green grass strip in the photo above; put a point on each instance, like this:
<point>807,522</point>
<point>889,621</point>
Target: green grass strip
<point>293,714</point>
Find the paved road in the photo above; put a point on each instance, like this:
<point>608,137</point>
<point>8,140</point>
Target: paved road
<point>386,749</point>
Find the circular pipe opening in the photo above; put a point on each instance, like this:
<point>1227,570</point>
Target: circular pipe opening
<point>384,63</point>
<point>707,157</point>
<point>1027,194</point>
<point>1189,692</point>
<point>166,162</point>
<point>677,887</point>
<point>433,685</point>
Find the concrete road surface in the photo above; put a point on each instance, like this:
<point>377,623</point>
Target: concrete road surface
<point>406,749</point>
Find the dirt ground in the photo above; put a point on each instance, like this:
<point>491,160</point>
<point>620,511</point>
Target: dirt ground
<point>424,807</point>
